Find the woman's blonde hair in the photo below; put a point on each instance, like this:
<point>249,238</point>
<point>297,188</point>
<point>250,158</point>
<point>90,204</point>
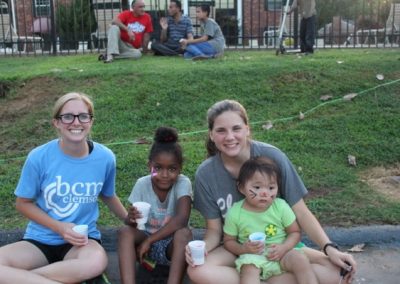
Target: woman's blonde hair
<point>70,97</point>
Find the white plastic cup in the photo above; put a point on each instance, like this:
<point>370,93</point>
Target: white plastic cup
<point>258,237</point>
<point>83,230</point>
<point>197,250</point>
<point>144,209</point>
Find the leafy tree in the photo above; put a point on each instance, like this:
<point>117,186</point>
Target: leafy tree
<point>364,13</point>
<point>75,22</point>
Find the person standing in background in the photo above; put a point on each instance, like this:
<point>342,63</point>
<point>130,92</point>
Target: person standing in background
<point>308,13</point>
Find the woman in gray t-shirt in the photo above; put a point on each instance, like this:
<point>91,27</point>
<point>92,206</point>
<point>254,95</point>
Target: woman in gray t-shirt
<point>210,44</point>
<point>229,146</point>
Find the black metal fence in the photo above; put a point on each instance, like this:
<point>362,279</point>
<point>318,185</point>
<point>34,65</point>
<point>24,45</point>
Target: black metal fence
<point>76,26</point>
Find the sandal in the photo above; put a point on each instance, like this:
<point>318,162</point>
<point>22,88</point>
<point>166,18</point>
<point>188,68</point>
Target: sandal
<point>102,57</point>
<point>108,60</point>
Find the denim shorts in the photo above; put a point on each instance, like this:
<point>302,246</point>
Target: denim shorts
<point>158,251</point>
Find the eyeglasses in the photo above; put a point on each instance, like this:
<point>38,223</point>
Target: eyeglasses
<point>68,118</point>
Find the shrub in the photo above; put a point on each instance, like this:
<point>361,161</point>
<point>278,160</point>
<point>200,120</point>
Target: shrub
<point>75,22</point>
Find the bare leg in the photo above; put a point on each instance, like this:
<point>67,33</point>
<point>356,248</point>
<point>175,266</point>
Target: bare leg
<point>286,278</point>
<point>128,238</point>
<point>79,264</point>
<point>325,270</point>
<point>16,261</point>
<point>10,275</point>
<point>218,268</point>
<point>176,249</point>
<point>23,262</point>
<point>249,274</point>
<point>298,263</point>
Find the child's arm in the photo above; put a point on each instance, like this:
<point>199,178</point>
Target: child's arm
<point>232,245</point>
<point>277,251</point>
<point>185,42</point>
<point>115,206</point>
<point>180,220</point>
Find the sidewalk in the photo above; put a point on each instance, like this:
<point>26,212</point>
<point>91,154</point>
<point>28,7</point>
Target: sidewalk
<point>376,265</point>
<point>379,263</point>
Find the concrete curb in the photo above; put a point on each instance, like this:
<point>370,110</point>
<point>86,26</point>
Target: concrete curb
<point>377,264</point>
<point>374,234</point>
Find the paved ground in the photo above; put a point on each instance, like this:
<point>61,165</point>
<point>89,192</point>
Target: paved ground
<point>379,263</point>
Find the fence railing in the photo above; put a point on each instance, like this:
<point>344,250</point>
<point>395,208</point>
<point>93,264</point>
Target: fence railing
<point>76,26</point>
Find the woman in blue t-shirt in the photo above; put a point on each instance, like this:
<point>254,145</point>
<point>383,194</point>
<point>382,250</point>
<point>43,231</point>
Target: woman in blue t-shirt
<point>229,146</point>
<point>59,188</point>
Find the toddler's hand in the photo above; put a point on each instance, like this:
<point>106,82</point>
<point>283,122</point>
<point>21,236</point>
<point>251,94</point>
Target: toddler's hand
<point>276,252</point>
<point>253,247</point>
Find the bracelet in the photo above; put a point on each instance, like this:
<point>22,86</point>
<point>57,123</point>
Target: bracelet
<point>334,245</point>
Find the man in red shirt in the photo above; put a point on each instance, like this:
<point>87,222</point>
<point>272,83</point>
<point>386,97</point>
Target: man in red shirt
<point>129,33</point>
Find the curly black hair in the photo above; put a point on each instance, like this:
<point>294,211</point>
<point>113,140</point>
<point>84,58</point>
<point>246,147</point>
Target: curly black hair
<point>166,140</point>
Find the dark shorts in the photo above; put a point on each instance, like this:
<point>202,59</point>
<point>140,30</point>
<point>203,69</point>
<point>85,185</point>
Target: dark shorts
<point>53,253</point>
<point>158,251</point>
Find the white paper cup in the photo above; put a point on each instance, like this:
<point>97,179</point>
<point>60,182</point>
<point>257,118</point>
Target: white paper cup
<point>258,237</point>
<point>82,229</point>
<point>197,250</point>
<point>144,209</point>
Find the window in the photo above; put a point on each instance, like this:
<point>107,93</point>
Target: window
<point>273,5</point>
<point>3,8</point>
<point>41,8</point>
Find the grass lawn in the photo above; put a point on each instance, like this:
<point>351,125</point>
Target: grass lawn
<point>133,98</point>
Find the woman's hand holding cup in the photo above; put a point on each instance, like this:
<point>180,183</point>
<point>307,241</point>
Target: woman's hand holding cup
<point>195,253</point>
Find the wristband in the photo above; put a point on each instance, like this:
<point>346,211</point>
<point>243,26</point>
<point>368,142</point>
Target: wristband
<point>334,245</point>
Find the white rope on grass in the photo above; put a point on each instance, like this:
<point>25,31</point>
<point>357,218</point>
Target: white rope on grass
<point>137,142</point>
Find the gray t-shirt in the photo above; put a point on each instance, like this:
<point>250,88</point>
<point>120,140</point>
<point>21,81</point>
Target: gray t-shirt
<point>216,191</point>
<point>211,28</point>
<point>160,212</point>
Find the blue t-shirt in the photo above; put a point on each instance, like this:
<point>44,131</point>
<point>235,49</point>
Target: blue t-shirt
<point>66,188</point>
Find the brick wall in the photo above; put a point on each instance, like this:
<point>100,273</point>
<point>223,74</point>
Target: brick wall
<point>256,19</point>
<point>25,16</point>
